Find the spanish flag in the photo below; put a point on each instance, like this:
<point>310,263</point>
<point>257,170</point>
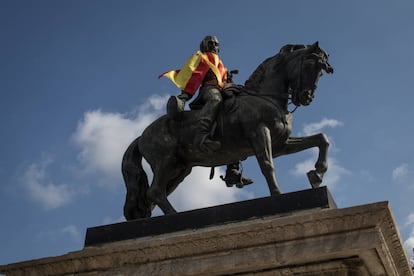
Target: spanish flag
<point>191,75</point>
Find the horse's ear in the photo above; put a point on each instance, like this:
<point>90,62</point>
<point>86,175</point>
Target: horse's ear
<point>315,45</point>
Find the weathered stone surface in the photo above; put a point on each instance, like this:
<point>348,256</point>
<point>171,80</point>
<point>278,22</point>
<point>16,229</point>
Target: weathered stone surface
<point>361,240</point>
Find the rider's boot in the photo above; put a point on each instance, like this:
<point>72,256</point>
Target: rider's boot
<point>235,177</point>
<point>176,104</point>
<point>202,138</point>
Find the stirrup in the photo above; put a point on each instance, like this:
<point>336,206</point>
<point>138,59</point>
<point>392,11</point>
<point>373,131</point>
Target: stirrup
<point>239,180</point>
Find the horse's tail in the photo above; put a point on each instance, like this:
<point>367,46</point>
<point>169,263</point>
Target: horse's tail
<point>137,205</point>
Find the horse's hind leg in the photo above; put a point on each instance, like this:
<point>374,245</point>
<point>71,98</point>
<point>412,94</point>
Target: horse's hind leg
<point>181,173</point>
<point>158,190</point>
<point>167,176</point>
<point>296,144</point>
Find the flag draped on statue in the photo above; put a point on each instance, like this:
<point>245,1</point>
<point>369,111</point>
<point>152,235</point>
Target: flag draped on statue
<point>191,75</point>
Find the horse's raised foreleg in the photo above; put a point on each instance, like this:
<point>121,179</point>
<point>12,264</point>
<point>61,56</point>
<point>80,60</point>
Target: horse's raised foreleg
<point>296,144</point>
<point>261,142</point>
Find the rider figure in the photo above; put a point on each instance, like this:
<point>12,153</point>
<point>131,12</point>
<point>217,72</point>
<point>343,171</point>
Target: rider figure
<point>205,69</point>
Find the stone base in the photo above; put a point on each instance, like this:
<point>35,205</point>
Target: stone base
<point>361,240</point>
<point>201,218</point>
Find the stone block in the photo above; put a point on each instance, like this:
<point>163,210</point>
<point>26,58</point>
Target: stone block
<point>360,240</point>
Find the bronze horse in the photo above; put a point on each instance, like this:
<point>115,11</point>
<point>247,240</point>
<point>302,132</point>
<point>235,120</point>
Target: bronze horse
<point>258,123</point>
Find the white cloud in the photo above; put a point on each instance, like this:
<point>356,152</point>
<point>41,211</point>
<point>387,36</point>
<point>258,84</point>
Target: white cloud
<point>198,191</point>
<point>410,220</point>
<point>103,137</point>
<point>401,172</point>
<point>43,190</point>
<point>303,167</point>
<point>334,173</point>
<point>331,178</point>
<point>157,102</point>
<point>409,242</point>
<point>73,232</point>
<point>313,128</point>
<point>403,175</point>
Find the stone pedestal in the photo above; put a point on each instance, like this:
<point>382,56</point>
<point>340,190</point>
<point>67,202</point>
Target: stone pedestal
<point>317,239</point>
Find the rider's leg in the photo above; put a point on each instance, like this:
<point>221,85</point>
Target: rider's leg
<point>212,98</point>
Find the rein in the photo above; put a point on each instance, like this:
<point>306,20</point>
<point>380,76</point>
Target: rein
<point>266,96</point>
<point>300,85</point>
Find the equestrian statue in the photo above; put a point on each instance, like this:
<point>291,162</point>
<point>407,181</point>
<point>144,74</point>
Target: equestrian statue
<point>226,124</point>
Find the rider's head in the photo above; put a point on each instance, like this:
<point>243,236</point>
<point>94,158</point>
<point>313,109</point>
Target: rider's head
<point>210,44</point>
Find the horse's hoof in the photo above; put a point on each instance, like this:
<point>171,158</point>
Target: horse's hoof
<point>314,178</point>
<point>275,192</point>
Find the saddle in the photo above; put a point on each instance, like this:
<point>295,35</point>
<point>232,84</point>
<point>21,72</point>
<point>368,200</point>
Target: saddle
<point>175,106</point>
<point>229,93</point>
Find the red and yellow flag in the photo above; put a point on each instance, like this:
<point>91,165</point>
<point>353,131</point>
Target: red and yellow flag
<point>191,75</point>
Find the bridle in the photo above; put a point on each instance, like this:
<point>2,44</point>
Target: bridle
<point>294,91</point>
<point>292,94</point>
<point>291,90</point>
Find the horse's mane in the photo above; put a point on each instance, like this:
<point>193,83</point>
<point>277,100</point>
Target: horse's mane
<point>256,78</point>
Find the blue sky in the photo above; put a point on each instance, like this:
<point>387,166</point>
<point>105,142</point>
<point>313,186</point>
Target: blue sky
<point>78,81</point>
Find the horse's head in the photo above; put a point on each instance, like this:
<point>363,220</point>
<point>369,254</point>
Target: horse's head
<point>304,68</point>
